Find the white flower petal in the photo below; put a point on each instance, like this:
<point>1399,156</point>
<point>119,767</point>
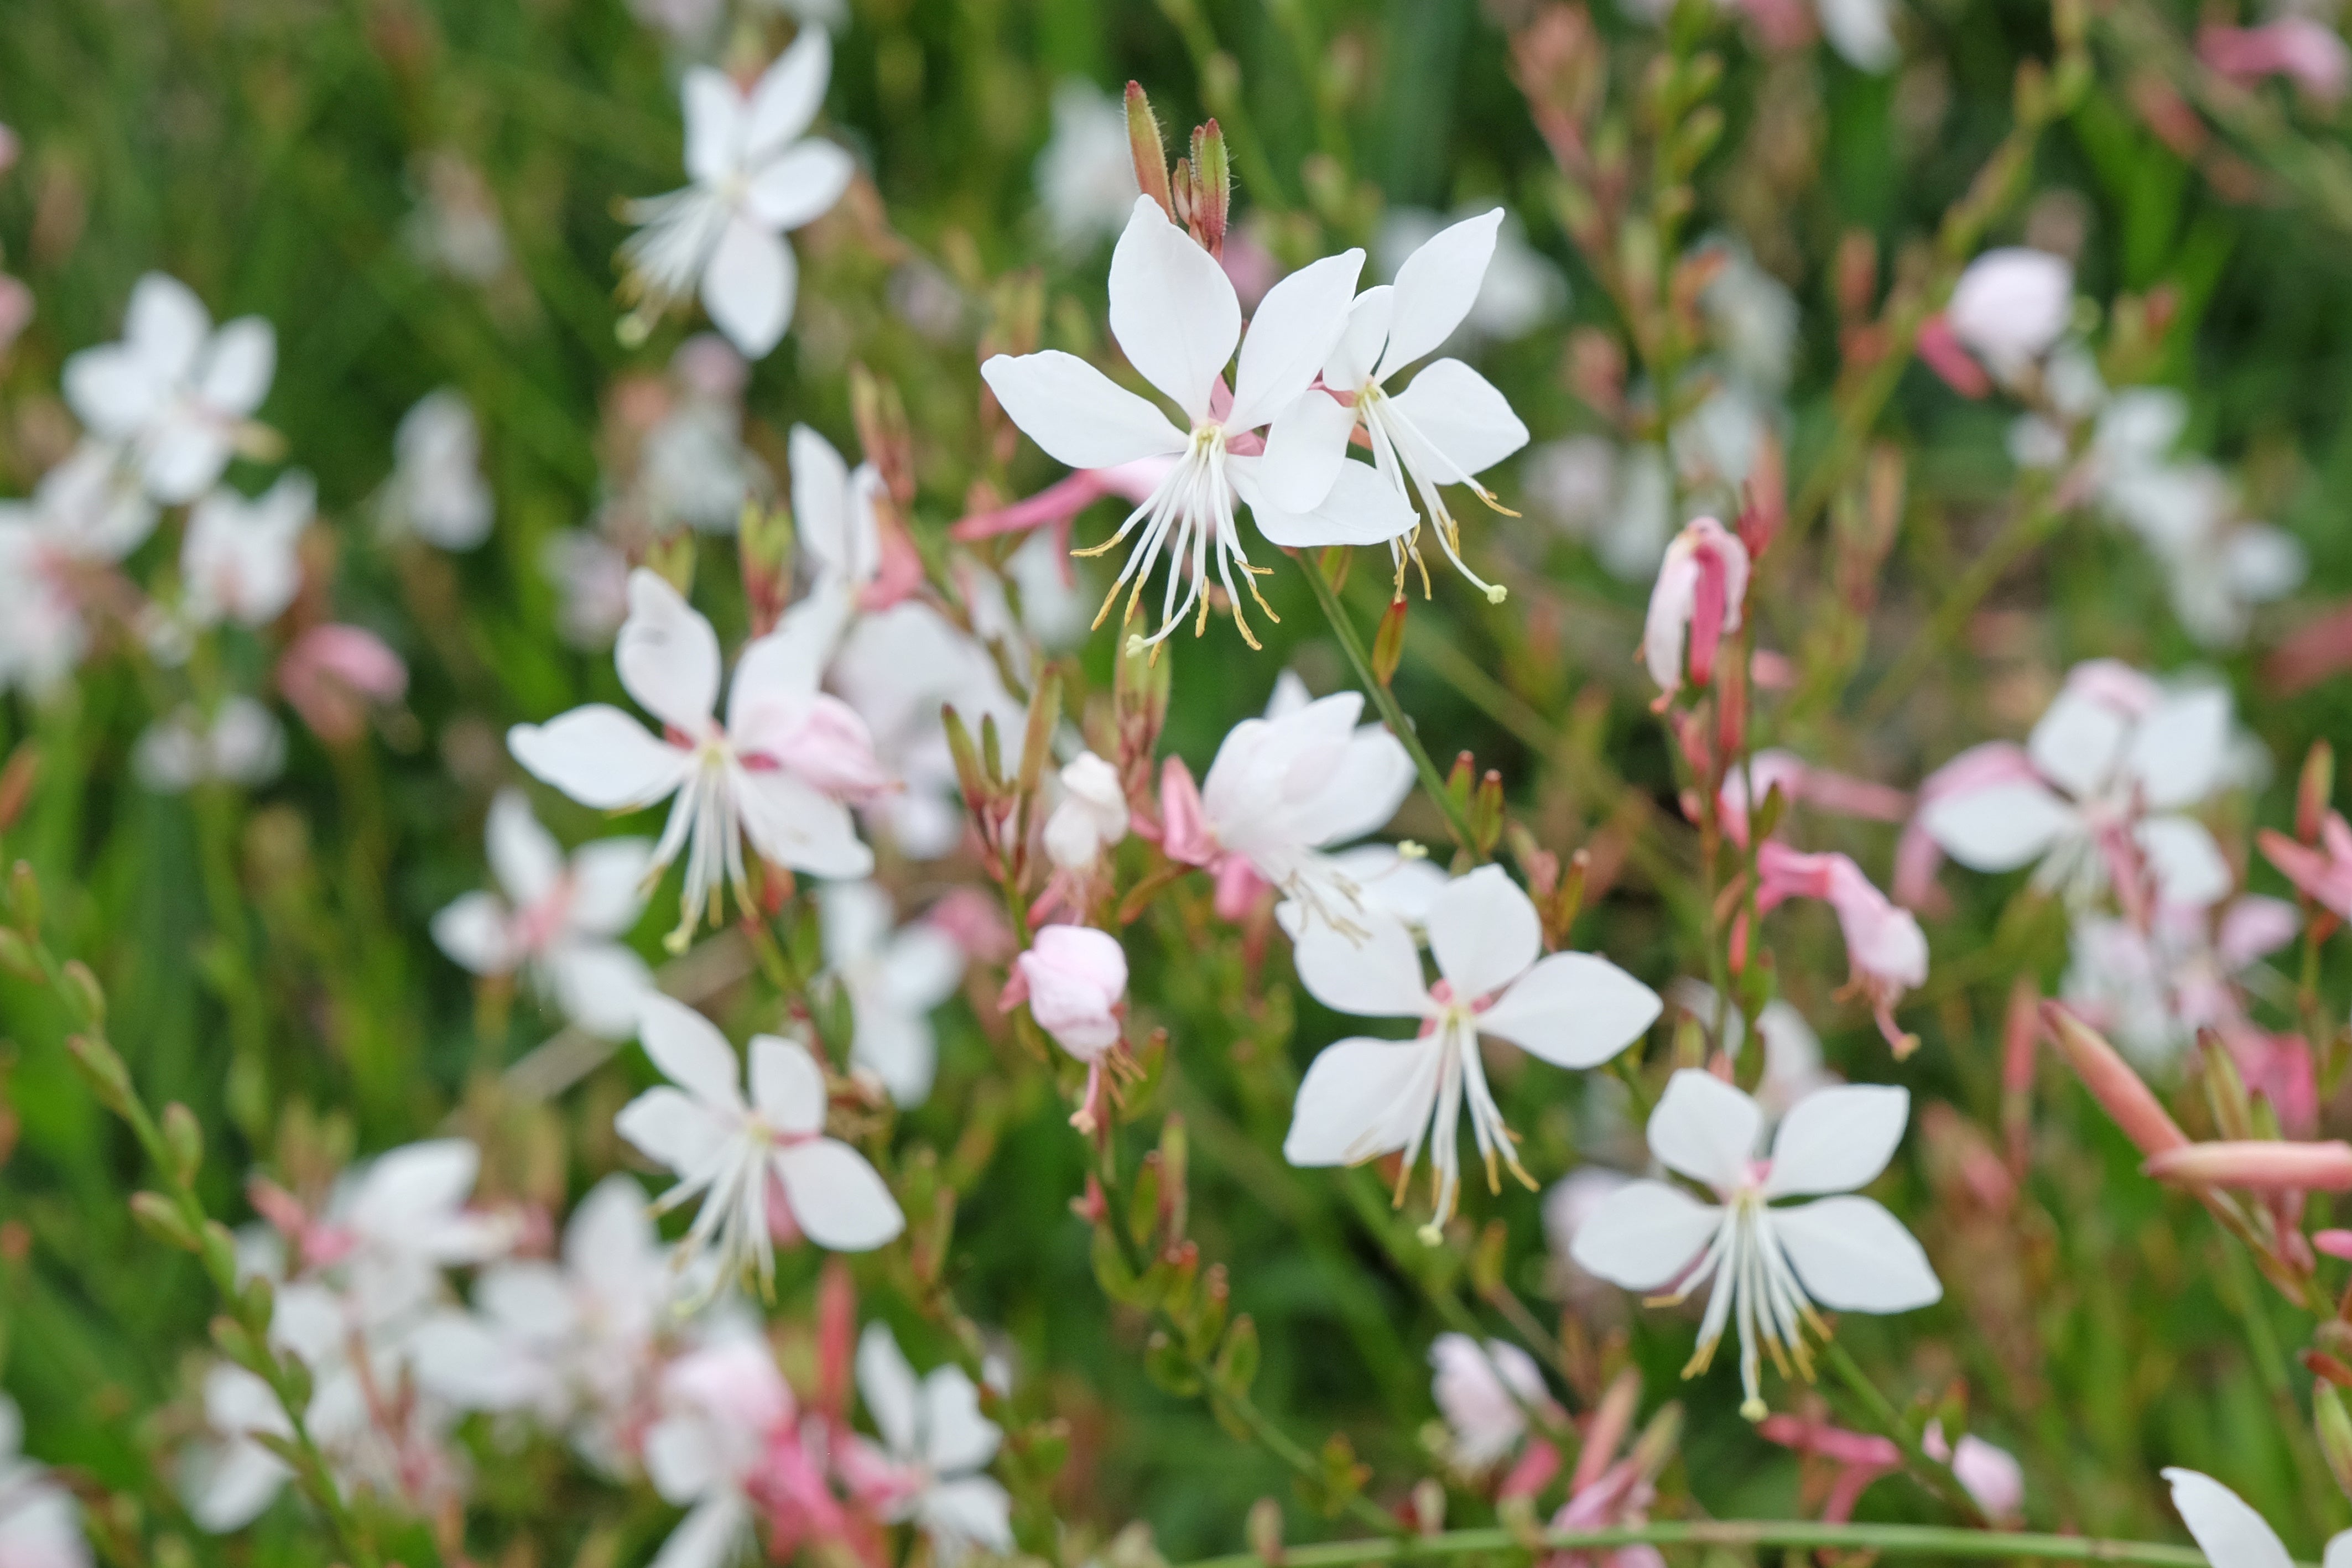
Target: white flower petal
<point>1466,423</point>
<point>975,1508</point>
<point>415,1180</point>
<point>600,756</point>
<point>2227,1528</point>
<point>1859,30</point>
<point>1293,329</point>
<point>474,932</point>
<point>801,186</point>
<point>1362,1098</point>
<point>1644,1235</point>
<point>1079,416</point>
<point>2338,1553</point>
<point>2190,867</point>
<point>165,325</point>
<point>787,1085</point>
<point>821,520</point>
<point>524,856</point>
<point>1376,976</point>
<point>1304,448</point>
<point>956,1436</point>
<point>1483,931</point>
<point>1353,358</point>
<point>2179,751</point>
<point>793,825</point>
<point>2000,828</point>
<point>1704,1129</point>
<point>672,1127</point>
<point>749,285</point>
<point>1172,308</point>
<point>608,879</point>
<point>787,96</point>
<point>667,654</point>
<point>1837,1139</point>
<point>897,1047</point>
<point>836,1196</point>
<point>2078,742</point>
<point>1573,1009</point>
<point>1361,509</point>
<point>714,124</point>
<point>1437,287</point>
<point>713,1533</point>
<point>237,365</point>
<point>1850,1254</point>
<point>602,987</point>
<point>690,1051</point>
<point>887,1383</point>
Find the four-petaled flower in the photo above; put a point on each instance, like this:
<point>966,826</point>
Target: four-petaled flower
<point>755,176</point>
<point>895,975</point>
<point>1363,1098</point>
<point>1174,311</point>
<point>740,1156</point>
<point>931,1466</point>
<point>1768,1265</point>
<point>778,771</point>
<point>177,395</point>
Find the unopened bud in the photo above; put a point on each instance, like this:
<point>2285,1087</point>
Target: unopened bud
<point>83,993</point>
<point>1264,1530</point>
<point>183,1137</point>
<point>1150,153</point>
<point>1388,642</point>
<point>17,781</point>
<point>2258,1167</point>
<point>2334,1423</point>
<point>2313,790</point>
<point>25,896</point>
<point>2225,1090</point>
<point>103,1070</point>
<point>2118,1089</point>
<point>161,1219</point>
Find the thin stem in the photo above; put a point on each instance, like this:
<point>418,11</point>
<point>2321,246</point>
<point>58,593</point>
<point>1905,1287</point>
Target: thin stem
<point>1929,1472</point>
<point>1737,1535</point>
<point>1431,781</point>
<point>2027,528</point>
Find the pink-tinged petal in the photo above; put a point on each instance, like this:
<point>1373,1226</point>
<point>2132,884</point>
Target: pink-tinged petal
<point>2000,828</point>
<point>800,186</point>
<point>1362,508</point>
<point>1076,414</point>
<point>787,1085</point>
<point>749,286</point>
<point>1837,1139</point>
<point>1704,1129</point>
<point>785,99</point>
<point>1460,424</point>
<point>2188,865</point>
<point>1644,1235</point>
<point>2179,751</point>
<point>600,756</point>
<point>714,124</point>
<point>1437,287</point>
<point>1304,448</point>
<point>1184,832</point>
<point>1572,1010</point>
<point>477,934</point>
<point>792,824</point>
<point>2079,742</point>
<point>1484,933</point>
<point>2254,927</point>
<point>524,856</point>
<point>1293,329</point>
<point>837,1198</point>
<point>691,1052</point>
<point>1358,352</point>
<point>1362,1098</point>
<point>602,987</point>
<point>2010,304</point>
<point>714,1532</point>
<point>1853,1256</point>
<point>668,655</point>
<point>1172,311</point>
<point>1374,974</point>
<point>2227,1529</point>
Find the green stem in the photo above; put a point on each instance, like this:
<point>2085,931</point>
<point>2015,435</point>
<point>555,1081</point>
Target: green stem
<point>1737,1535</point>
<point>2025,529</point>
<point>1431,781</point>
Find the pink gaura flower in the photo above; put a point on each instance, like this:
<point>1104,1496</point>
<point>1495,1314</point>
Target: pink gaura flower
<point>1885,948</point>
<point>1695,605</point>
<point>332,674</point>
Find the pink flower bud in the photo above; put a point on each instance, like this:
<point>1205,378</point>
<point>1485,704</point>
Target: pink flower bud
<point>2257,1166</point>
<point>1941,351</point>
<point>2010,306</point>
<point>2112,1082</point>
<point>2305,52</point>
<point>331,674</point>
<point>1696,603</point>
<point>1075,980</point>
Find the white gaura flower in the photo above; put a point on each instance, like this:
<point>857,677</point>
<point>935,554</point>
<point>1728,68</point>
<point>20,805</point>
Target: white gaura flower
<point>897,668</point>
<point>242,745</point>
<point>591,585</point>
<point>1281,791</point>
<point>2232,1534</point>
<point>2105,777</point>
<point>1623,504</point>
<point>731,1151</point>
<point>85,515</point>
<point>1086,175</point>
<point>1448,426</point>
<point>1386,880</point>
<point>777,771</point>
<point>932,1464</point>
<point>240,561</point>
<point>1091,815</point>
<point>1174,312</point>
<point>1768,1265</point>
<point>436,490</point>
<point>894,975</point>
<point>2150,991</point>
<point>560,920</point>
<point>394,1223</point>
<point>1484,1390</point>
<point>755,176</point>
<point>725,1411</point>
<point>41,1524</point>
<point>1364,1098</point>
<point>177,395</point>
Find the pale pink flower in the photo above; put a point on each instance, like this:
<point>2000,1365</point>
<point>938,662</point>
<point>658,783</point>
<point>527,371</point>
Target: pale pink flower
<point>2010,306</point>
<point>1484,1391</point>
<point>1694,604</point>
<point>723,1408</point>
<point>2307,51</point>
<point>2151,990</point>
<point>2323,874</point>
<point>1074,978</point>
<point>778,771</point>
<point>331,674</point>
<point>1885,950</point>
<point>1990,1475</point>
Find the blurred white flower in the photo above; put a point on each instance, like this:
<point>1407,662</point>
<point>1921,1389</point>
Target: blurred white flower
<point>560,920</point>
<point>777,771</point>
<point>1768,1265</point>
<point>455,224</point>
<point>2150,991</point>
<point>40,1523</point>
<point>592,583</point>
<point>735,1153</point>
<point>436,490</point>
<point>177,395</point>
<point>1091,815</point>
<point>895,669</point>
<point>1483,1391</point>
<point>693,469</point>
<point>755,177</point>
<point>1751,316</point>
<point>1086,175</point>
<point>1367,1097</point>
<point>932,1462</point>
<point>239,560</point>
<point>894,975</point>
<point>2010,306</point>
<point>1792,1052</point>
<point>724,1409</point>
<point>1620,503</point>
<point>1174,312</point>
<point>85,515</point>
<point>244,745</point>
